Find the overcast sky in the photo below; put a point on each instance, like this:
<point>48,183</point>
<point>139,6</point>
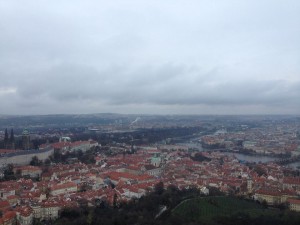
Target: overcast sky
<point>154,56</point>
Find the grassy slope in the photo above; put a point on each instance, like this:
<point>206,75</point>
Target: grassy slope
<point>207,208</point>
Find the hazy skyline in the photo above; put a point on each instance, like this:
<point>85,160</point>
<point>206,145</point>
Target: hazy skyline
<point>163,57</point>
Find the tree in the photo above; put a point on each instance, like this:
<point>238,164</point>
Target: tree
<point>36,221</point>
<point>213,191</point>
<point>282,206</point>
<point>259,170</point>
<point>264,203</point>
<point>9,173</point>
<point>89,219</point>
<point>47,191</point>
<point>159,188</point>
<point>57,156</point>
<point>70,213</point>
<point>79,153</point>
<point>115,201</point>
<point>47,162</point>
<point>35,161</point>
<point>84,187</point>
<point>6,139</point>
<point>12,138</point>
<point>18,173</point>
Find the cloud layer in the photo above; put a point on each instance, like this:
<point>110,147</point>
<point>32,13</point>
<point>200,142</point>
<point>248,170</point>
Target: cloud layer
<point>150,57</point>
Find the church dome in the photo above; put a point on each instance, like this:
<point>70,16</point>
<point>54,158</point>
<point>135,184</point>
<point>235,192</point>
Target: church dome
<point>25,132</point>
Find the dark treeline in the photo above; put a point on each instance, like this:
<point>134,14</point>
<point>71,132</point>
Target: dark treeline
<point>145,211</point>
<point>137,211</point>
<point>142,136</point>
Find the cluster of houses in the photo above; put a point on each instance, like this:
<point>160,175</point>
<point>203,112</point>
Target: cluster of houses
<point>122,177</point>
<point>268,139</point>
<point>228,175</point>
<point>66,145</point>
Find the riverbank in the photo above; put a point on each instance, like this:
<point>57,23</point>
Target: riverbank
<point>245,156</point>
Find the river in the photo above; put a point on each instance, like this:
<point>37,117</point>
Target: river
<point>262,159</point>
<point>252,158</point>
<point>243,157</point>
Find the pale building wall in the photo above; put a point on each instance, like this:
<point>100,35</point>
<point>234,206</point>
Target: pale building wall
<point>295,207</point>
<point>23,158</point>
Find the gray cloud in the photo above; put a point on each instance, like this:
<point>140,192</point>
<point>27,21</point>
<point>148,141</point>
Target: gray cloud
<point>157,57</point>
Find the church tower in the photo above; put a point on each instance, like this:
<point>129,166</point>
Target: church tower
<point>12,139</point>
<point>26,140</point>
<point>6,143</point>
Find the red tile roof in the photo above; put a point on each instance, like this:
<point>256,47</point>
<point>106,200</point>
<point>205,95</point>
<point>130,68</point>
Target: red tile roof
<point>291,180</point>
<point>4,205</point>
<point>294,201</point>
<point>7,216</point>
<point>63,186</point>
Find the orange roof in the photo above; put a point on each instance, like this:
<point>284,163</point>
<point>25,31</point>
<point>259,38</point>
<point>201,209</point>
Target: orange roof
<point>60,144</point>
<point>63,186</point>
<point>4,204</point>
<point>8,215</point>
<point>294,201</point>
<point>3,151</point>
<point>49,204</point>
<point>269,192</point>
<point>291,180</point>
<point>276,192</point>
<point>118,175</point>
<point>24,210</point>
<point>30,168</point>
<point>12,197</point>
<point>78,143</point>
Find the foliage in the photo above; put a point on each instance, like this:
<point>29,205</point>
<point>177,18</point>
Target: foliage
<point>259,170</point>
<point>9,173</point>
<point>87,157</point>
<point>183,207</point>
<point>47,162</point>
<point>35,161</point>
<point>159,188</point>
<point>115,201</point>
<point>144,210</point>
<point>199,157</point>
<point>138,211</point>
<point>231,211</point>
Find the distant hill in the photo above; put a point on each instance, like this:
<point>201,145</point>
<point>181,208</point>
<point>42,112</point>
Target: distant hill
<point>71,120</point>
<point>61,120</point>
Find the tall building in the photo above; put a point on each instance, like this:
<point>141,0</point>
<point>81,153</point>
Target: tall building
<point>9,143</point>
<point>249,185</point>
<point>12,139</point>
<point>26,140</point>
<point>6,143</point>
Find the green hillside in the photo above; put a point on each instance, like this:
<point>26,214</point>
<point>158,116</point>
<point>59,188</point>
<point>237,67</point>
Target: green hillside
<point>224,210</point>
